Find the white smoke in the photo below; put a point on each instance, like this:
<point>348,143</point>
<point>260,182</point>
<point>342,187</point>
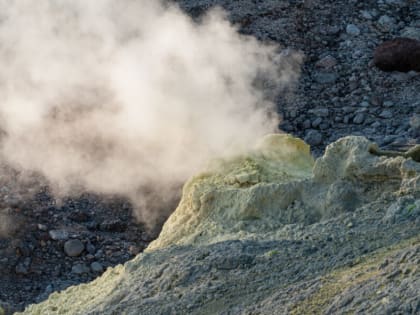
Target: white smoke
<point>118,96</point>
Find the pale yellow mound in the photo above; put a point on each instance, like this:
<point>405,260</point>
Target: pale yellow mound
<point>240,195</point>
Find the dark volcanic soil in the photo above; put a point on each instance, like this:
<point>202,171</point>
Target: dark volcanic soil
<point>340,93</point>
<point>35,227</point>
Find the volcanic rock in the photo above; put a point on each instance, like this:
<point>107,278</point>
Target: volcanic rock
<point>96,267</point>
<point>113,226</point>
<point>327,63</point>
<point>59,235</point>
<point>352,29</point>
<point>73,248</point>
<point>252,229</point>
<point>313,137</point>
<point>400,54</point>
<point>80,269</point>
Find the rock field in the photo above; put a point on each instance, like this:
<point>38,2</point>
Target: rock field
<point>347,243</point>
<point>340,91</point>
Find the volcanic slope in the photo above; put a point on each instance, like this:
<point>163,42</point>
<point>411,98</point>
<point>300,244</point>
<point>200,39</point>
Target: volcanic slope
<point>274,232</point>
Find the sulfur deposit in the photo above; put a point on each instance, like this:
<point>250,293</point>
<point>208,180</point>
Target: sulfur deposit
<point>275,232</point>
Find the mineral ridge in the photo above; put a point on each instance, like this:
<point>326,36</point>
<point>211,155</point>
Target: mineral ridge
<point>275,232</point>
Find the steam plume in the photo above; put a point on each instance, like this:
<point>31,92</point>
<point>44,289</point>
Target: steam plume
<point>118,96</point>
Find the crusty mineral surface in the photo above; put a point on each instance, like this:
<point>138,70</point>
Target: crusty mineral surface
<point>275,232</point>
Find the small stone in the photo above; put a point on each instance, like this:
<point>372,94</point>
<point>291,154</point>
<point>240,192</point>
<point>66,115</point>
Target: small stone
<point>367,15</point>
<point>386,114</point>
<point>359,118</point>
<point>96,267</point>
<point>352,30</point>
<point>306,124</point>
<point>324,126</point>
<point>313,138</point>
<point>99,254</point>
<point>346,119</point>
<point>320,112</point>
<point>388,104</point>
<point>375,124</point>
<point>90,257</point>
<point>348,109</point>
<point>73,248</point>
<point>113,226</point>
<point>22,268</point>
<point>325,77</point>
<point>326,63</point>
<point>42,227</point>
<point>90,248</point>
<point>386,23</point>
<point>286,126</point>
<point>80,269</point>
<point>59,235</point>
<point>317,122</point>
<point>411,32</point>
<point>79,216</point>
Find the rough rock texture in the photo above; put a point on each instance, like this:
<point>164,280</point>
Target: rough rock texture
<point>263,234</point>
<point>339,93</point>
<point>400,54</point>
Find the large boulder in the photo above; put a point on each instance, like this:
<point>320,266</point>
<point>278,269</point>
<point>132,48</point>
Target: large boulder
<point>400,54</point>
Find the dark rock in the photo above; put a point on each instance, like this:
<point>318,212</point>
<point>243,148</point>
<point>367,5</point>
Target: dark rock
<point>73,248</point>
<point>90,248</point>
<point>59,235</point>
<point>386,23</point>
<point>113,226</point>
<point>23,267</point>
<point>96,267</point>
<point>42,227</point>
<point>385,114</point>
<point>79,216</point>
<point>326,63</point>
<point>400,54</point>
<point>359,118</point>
<point>325,77</point>
<point>80,269</point>
<point>313,138</point>
<point>317,122</point>
<point>352,29</point>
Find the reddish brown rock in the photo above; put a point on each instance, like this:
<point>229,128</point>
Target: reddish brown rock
<point>400,54</point>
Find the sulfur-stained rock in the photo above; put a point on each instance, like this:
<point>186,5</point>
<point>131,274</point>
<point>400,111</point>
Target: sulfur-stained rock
<point>400,54</point>
<point>252,229</point>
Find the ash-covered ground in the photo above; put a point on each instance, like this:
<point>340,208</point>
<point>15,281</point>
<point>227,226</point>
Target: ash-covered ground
<point>339,93</point>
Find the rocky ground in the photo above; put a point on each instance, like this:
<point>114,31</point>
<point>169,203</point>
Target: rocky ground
<point>340,91</point>
<point>51,244</point>
<point>48,244</point>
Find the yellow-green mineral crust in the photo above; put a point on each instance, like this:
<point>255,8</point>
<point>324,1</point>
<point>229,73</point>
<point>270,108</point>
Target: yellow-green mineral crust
<point>223,200</point>
<point>277,199</point>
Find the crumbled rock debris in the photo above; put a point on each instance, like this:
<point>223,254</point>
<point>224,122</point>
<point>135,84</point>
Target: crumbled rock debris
<point>338,72</point>
<point>58,243</point>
